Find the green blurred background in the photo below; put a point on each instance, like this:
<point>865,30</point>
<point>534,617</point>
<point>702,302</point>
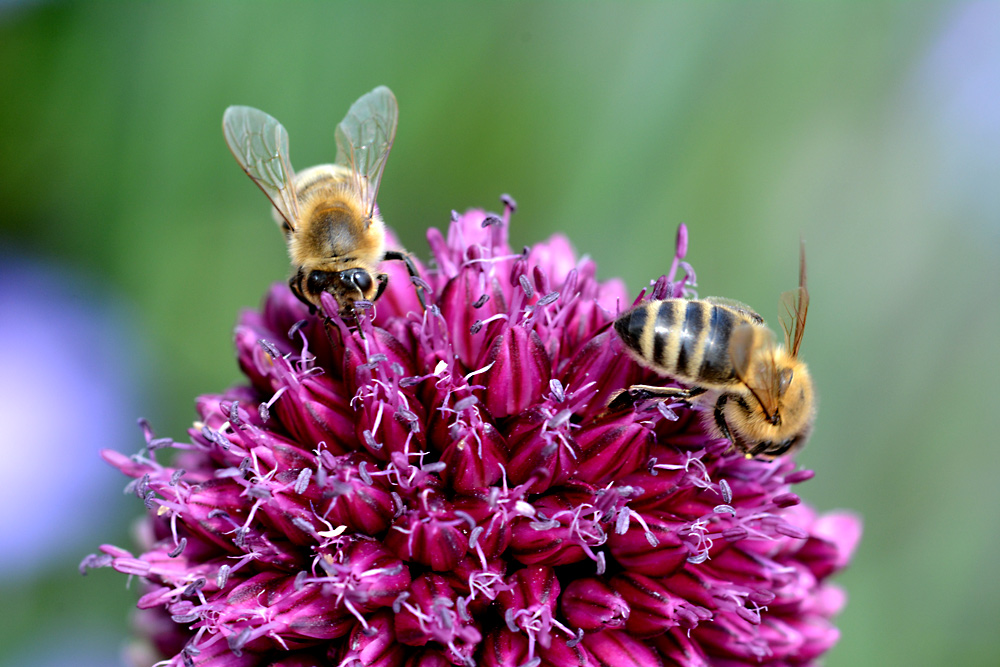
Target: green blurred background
<point>870,130</point>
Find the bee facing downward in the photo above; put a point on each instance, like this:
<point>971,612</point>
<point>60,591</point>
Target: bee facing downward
<point>756,393</point>
<point>335,237</point>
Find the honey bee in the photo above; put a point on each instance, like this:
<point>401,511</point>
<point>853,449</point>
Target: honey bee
<point>755,393</point>
<point>336,238</point>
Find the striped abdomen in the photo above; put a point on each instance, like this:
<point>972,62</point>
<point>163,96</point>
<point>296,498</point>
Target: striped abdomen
<point>688,340</point>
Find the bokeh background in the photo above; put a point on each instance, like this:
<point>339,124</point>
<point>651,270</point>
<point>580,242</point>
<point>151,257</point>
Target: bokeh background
<point>130,240</point>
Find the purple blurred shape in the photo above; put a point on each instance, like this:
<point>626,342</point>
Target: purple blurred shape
<point>67,389</point>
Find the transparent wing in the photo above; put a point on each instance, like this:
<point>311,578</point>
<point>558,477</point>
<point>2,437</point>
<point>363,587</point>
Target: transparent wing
<point>751,349</point>
<point>260,144</point>
<point>793,307</point>
<point>364,139</point>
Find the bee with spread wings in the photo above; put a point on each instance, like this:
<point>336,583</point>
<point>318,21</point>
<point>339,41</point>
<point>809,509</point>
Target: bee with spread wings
<point>336,238</point>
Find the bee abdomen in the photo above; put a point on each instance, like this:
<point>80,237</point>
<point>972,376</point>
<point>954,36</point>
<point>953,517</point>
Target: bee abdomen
<point>685,339</point>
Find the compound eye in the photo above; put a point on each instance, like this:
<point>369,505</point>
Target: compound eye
<point>362,280</point>
<point>316,282</point>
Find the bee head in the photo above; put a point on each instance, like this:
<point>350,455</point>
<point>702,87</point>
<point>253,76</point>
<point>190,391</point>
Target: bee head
<point>786,427</point>
<point>346,287</point>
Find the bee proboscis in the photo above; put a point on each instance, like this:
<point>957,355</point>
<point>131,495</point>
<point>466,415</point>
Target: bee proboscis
<point>336,238</point>
<point>754,392</point>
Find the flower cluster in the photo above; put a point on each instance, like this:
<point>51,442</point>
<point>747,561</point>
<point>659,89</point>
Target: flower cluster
<point>444,486</point>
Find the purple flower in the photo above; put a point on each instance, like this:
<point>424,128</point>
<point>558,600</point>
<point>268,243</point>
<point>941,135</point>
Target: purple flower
<point>445,487</point>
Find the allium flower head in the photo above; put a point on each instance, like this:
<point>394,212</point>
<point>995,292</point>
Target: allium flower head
<point>446,487</point>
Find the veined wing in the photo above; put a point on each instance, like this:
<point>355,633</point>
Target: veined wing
<point>364,139</point>
<point>260,144</point>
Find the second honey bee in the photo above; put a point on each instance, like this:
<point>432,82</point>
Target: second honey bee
<point>755,392</point>
<point>336,238</point>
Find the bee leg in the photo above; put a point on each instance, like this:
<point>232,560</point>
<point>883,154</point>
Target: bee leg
<point>627,398</point>
<point>720,420</point>
<point>405,258</point>
<point>295,284</point>
<point>771,451</point>
<point>383,280</point>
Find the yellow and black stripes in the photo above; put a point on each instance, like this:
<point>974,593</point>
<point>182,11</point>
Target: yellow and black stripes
<point>688,340</point>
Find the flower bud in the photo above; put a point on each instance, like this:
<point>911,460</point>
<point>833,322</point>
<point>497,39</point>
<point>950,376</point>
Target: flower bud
<point>592,605</point>
<point>429,613</point>
<point>373,644</point>
<point>615,648</point>
<point>430,537</point>
<point>653,549</point>
<point>519,373</point>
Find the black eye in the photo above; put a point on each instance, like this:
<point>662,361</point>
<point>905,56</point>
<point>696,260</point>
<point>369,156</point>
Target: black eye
<point>316,282</point>
<point>361,280</point>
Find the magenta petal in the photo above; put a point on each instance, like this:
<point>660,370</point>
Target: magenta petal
<point>729,636</point>
<point>317,411</point>
<point>430,537</point>
<point>319,623</point>
<point>346,498</point>
<point>552,542</point>
<point>503,648</point>
<point>366,574</point>
<point>565,652</point>
<point>678,648</point>
<point>519,373</point>
<point>829,549</point>
<point>531,588</point>
<point>610,447</point>
<point>818,636</point>
<point>654,607</point>
<point>306,659</point>
<point>475,461</point>
<point>540,454</point>
<point>374,646</point>
<point>654,550</point>
<point>529,604</point>
<point>696,588</point>
<point>492,532</point>
<point>592,605</point>
<point>470,287</point>
<point>220,655</point>
<point>410,624</point>
<point>602,361</point>
<point>615,648</point>
<point>429,614</point>
<point>428,657</point>
<point>554,257</point>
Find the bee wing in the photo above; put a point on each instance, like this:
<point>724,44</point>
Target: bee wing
<point>751,349</point>
<point>260,144</point>
<point>793,307</point>
<point>364,139</point>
